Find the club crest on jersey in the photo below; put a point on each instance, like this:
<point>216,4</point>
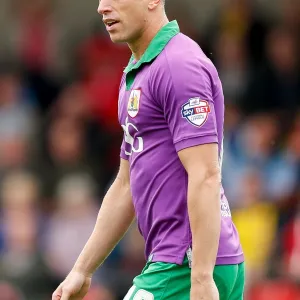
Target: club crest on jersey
<point>195,111</point>
<point>134,103</point>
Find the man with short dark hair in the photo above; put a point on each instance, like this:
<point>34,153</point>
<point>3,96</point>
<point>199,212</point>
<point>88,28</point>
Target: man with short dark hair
<point>171,108</point>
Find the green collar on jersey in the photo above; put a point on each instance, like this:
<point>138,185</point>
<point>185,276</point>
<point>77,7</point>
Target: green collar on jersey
<point>156,46</point>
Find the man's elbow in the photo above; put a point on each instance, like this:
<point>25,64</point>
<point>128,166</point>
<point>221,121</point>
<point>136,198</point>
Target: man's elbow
<point>211,176</point>
<point>213,180</point>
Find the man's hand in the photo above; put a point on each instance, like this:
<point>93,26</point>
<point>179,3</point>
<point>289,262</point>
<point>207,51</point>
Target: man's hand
<point>206,290</point>
<point>74,287</point>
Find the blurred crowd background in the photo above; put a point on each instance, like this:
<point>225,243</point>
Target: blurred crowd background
<point>60,139</point>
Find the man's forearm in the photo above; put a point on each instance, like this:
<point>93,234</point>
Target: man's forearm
<point>115,216</point>
<point>205,220</point>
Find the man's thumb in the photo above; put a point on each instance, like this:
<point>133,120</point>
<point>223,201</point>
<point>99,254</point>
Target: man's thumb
<point>57,294</point>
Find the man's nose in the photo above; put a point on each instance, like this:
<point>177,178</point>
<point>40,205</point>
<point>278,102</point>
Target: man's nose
<point>104,7</point>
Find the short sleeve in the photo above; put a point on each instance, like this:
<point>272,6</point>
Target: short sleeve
<point>183,89</point>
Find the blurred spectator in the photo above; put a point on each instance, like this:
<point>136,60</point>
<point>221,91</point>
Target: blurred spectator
<point>290,16</point>
<point>242,21</point>
<point>291,242</point>
<point>291,232</point>
<point>232,66</point>
<point>252,145</point>
<point>21,262</point>
<point>16,123</point>
<point>65,142</point>
<point>71,224</point>
<point>36,33</point>
<point>256,221</point>
<point>71,104</point>
<point>36,41</point>
<point>65,153</point>
<point>276,87</point>
<point>235,16</point>
<point>286,178</point>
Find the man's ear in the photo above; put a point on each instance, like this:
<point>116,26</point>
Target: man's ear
<point>154,3</point>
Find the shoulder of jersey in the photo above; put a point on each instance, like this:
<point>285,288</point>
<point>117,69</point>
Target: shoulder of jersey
<point>182,44</point>
<point>180,53</point>
<point>182,49</point>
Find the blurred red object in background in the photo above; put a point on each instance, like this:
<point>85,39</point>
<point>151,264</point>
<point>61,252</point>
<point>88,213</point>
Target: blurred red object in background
<point>275,290</point>
<point>102,64</point>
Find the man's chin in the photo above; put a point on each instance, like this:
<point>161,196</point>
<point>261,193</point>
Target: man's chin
<point>116,39</point>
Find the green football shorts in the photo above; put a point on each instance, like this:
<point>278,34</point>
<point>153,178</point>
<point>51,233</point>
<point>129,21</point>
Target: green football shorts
<point>164,281</point>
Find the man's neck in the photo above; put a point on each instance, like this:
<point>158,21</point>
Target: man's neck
<point>139,46</point>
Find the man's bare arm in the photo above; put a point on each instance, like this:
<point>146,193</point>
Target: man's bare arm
<point>204,178</point>
<point>115,217</point>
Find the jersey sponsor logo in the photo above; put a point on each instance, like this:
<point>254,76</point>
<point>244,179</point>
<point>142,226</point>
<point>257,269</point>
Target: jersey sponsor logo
<point>134,103</point>
<point>136,144</point>
<point>143,295</point>
<point>225,209</point>
<point>195,111</point>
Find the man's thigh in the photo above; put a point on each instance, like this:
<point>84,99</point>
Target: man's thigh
<point>239,287</point>
<point>230,280</point>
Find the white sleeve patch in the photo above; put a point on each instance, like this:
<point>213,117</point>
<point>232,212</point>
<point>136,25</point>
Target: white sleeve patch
<point>143,295</point>
<point>195,111</point>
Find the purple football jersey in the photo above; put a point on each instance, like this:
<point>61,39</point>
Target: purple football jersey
<point>169,100</point>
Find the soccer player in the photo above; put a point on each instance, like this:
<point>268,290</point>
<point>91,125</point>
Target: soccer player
<point>171,108</point>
